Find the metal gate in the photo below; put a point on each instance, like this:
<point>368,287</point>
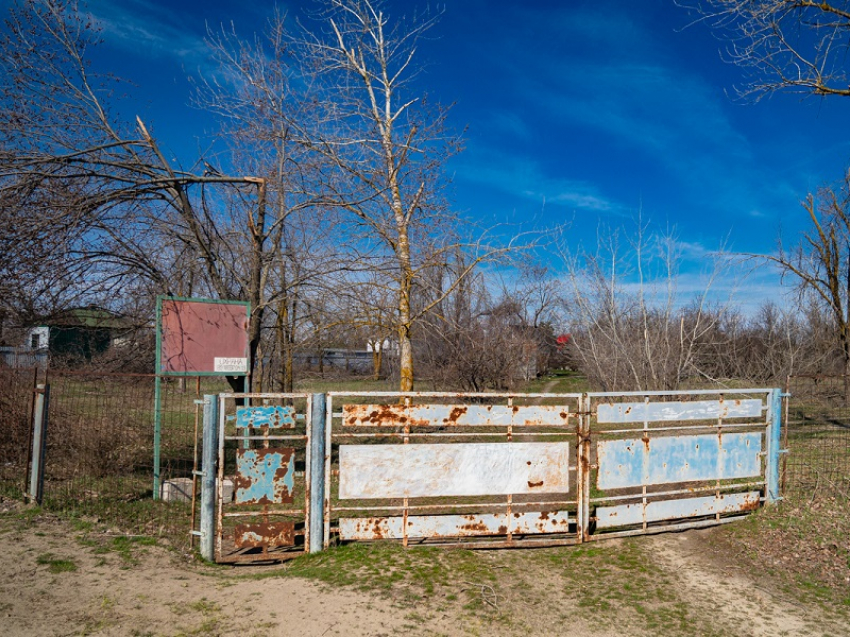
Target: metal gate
<point>263,508</point>
<point>499,469</point>
<point>485,470</point>
<point>663,461</point>
<point>544,469</point>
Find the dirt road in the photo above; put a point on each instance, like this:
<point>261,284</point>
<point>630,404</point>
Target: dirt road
<point>77,578</point>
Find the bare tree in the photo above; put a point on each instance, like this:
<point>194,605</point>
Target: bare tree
<point>388,146</point>
<point>632,329</point>
<point>790,45</point>
<point>821,261</point>
<point>123,210</point>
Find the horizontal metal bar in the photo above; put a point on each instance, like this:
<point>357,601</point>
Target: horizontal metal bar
<point>622,515</point>
<point>444,434</point>
<point>689,392</point>
<point>706,489</point>
<point>200,474</point>
<point>666,411</point>
<point>667,527</point>
<point>198,533</point>
<point>427,394</point>
<point>269,438</point>
<point>705,427</point>
<point>454,525</point>
<point>251,558</point>
<point>253,514</point>
<point>468,505</point>
<point>515,543</point>
<point>264,395</point>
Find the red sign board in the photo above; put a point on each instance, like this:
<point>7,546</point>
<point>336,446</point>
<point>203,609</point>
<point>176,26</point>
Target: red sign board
<point>200,337</point>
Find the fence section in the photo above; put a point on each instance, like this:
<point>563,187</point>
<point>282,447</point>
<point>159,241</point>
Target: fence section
<point>817,435</point>
<point>263,477</point>
<point>478,470</point>
<point>99,453</point>
<point>16,403</point>
<point>685,459</point>
<point>499,470</point>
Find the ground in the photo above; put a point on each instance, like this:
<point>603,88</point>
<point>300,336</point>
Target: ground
<point>77,576</point>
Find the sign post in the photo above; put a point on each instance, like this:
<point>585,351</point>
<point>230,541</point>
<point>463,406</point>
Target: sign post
<point>196,337</point>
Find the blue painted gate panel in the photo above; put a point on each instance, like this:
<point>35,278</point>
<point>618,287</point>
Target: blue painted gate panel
<point>264,476</point>
<point>645,461</point>
<point>275,417</point>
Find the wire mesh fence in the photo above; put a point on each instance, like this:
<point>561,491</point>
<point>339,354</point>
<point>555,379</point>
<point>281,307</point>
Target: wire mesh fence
<point>817,435</point>
<point>100,444</point>
<point>16,401</point>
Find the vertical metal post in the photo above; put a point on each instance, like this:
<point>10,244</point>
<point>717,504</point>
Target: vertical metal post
<point>774,432</point>
<point>317,472</point>
<point>209,454</point>
<point>584,462</point>
<point>39,440</point>
<point>157,434</point>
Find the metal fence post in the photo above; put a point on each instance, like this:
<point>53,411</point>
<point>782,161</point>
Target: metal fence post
<point>773,444</point>
<point>317,472</point>
<point>157,436</point>
<point>39,440</point>
<point>208,486</point>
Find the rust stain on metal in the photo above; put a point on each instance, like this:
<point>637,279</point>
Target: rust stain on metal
<point>751,503</point>
<point>264,535</point>
<point>475,527</point>
<point>372,415</point>
<point>264,476</point>
<point>645,441</point>
<point>534,485</point>
<point>456,413</point>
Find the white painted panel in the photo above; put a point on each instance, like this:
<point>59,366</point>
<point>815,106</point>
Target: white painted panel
<point>426,470</point>
<point>627,514</point>
<point>691,410</point>
<point>455,525</point>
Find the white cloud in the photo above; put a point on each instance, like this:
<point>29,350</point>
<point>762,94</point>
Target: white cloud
<point>526,179</point>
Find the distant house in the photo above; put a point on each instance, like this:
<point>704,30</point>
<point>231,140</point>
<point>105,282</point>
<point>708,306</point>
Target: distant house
<point>78,334</point>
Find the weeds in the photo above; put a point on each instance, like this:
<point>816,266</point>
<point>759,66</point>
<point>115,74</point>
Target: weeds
<point>55,565</point>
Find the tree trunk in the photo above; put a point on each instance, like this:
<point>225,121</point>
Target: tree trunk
<point>286,344</point>
<point>377,360</point>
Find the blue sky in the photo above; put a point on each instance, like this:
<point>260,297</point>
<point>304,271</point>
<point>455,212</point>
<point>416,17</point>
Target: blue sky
<point>582,112</point>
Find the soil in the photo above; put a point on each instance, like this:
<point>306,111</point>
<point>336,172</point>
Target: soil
<point>66,577</point>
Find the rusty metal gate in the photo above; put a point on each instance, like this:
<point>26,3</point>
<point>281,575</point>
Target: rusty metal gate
<point>263,487</point>
<point>499,470</point>
<point>460,469</point>
<point>483,470</point>
<point>663,461</point>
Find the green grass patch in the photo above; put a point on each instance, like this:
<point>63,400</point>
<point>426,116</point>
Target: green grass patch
<point>55,565</point>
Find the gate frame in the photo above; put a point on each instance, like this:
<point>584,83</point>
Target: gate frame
<point>309,495</point>
<point>768,479</point>
<point>318,449</point>
<point>483,542</point>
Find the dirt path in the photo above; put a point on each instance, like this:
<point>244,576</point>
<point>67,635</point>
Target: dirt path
<point>717,586</point>
<point>58,580</point>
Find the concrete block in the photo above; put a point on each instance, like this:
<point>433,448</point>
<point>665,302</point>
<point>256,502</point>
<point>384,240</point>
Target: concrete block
<point>180,490</point>
<point>177,490</point>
